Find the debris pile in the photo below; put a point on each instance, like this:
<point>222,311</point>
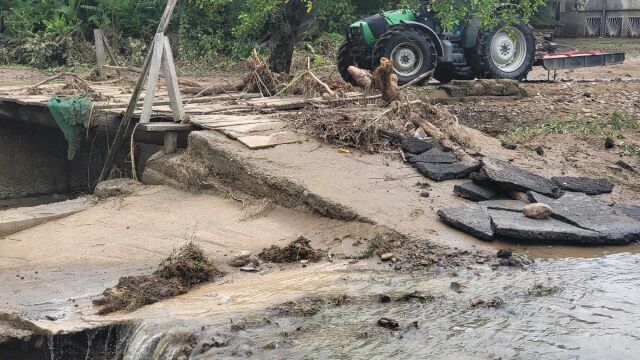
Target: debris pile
<point>299,249</point>
<point>176,275</point>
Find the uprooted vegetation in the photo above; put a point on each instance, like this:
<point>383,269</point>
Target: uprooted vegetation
<point>299,249</point>
<point>309,305</point>
<point>176,275</point>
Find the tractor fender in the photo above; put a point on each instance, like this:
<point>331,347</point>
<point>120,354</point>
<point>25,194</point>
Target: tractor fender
<point>470,33</point>
<point>429,32</point>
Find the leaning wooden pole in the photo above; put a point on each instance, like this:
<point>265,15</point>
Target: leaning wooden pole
<point>125,124</point>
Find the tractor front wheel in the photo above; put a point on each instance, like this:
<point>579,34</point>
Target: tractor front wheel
<point>411,52</point>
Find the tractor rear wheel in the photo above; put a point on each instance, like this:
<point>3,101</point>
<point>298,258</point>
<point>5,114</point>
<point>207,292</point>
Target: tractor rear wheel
<point>412,53</point>
<point>506,52</point>
<point>345,59</point>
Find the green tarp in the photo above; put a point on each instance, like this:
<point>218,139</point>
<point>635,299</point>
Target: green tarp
<point>71,115</point>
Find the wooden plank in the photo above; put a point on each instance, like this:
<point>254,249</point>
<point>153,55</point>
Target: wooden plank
<point>256,142</point>
<point>226,118</point>
<point>101,57</point>
<point>164,126</point>
<point>218,125</point>
<point>154,75</point>
<point>171,78</point>
<point>253,128</point>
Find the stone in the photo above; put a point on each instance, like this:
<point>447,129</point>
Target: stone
<point>441,172</point>
<point>537,211</point>
<point>504,253</point>
<point>388,323</point>
<point>515,179</point>
<point>433,156</point>
<point>517,227</point>
<point>509,145</point>
<point>609,143</point>
<point>249,269</point>
<point>472,219</point>
<point>612,224</point>
<point>241,259</point>
<point>416,146</point>
<point>507,205</point>
<point>386,256</point>
<point>582,184</point>
<point>540,150</point>
<point>456,286</point>
<point>625,166</point>
<point>475,192</point>
<point>384,298</point>
<point>424,194</point>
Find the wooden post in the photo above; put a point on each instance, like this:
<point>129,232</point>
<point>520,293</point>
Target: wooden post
<point>101,58</point>
<point>171,79</point>
<point>170,142</point>
<point>154,75</point>
<point>125,124</point>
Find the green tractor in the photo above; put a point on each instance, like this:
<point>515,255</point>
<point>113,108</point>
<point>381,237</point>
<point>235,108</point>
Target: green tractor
<point>415,43</point>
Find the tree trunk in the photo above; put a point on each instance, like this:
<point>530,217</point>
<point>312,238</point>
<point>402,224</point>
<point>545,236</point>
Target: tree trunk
<point>282,53</point>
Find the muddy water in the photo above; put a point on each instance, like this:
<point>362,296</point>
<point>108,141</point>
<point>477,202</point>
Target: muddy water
<point>593,315</point>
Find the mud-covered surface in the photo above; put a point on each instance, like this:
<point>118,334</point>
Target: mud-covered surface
<point>552,309</point>
<point>373,274</point>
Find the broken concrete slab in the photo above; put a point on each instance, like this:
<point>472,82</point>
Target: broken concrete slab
<point>472,219</point>
<point>506,205</point>
<point>14,220</point>
<point>433,156</point>
<point>475,192</point>
<point>517,227</point>
<point>413,145</point>
<point>582,184</point>
<point>441,172</point>
<point>513,178</point>
<point>586,212</point>
<point>632,211</point>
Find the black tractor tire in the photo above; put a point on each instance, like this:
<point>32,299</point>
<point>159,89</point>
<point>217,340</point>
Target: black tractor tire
<point>479,57</point>
<point>446,72</point>
<point>405,35</point>
<point>344,60</point>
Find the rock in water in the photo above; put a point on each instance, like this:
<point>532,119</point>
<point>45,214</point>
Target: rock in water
<point>583,184</point>
<point>516,179</point>
<point>475,192</point>
<point>386,256</point>
<point>537,211</point>
<point>504,253</point>
<point>388,323</point>
<point>472,219</point>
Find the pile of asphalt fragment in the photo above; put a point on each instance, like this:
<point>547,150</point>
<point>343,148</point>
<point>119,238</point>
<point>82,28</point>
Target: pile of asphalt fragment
<point>499,191</point>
